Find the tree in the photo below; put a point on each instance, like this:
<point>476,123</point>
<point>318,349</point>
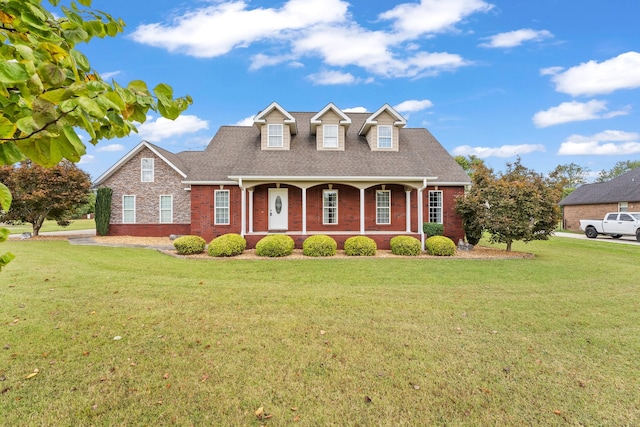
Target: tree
<point>48,90</point>
<point>41,193</point>
<point>617,170</point>
<point>103,210</point>
<point>569,177</point>
<point>518,204</point>
<point>469,163</point>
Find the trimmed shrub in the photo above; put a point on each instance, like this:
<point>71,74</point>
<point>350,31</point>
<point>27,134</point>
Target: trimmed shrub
<point>405,245</point>
<point>360,246</point>
<point>227,245</point>
<point>189,245</point>
<point>275,245</point>
<point>440,246</point>
<point>103,210</point>
<point>319,245</point>
<point>433,229</point>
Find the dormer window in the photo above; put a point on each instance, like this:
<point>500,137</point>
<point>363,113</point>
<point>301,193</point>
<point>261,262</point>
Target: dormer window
<point>275,136</point>
<point>330,136</point>
<point>384,136</point>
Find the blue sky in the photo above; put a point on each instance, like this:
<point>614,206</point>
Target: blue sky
<point>551,81</point>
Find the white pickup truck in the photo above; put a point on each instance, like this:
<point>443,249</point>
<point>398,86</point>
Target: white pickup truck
<point>614,224</point>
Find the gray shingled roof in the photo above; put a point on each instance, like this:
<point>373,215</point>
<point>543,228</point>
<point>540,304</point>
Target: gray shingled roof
<point>623,188</point>
<point>235,151</point>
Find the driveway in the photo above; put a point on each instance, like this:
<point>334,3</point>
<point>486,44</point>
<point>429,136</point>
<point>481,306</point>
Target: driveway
<point>626,240</point>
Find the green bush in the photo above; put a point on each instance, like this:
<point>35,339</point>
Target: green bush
<point>189,245</point>
<point>360,246</point>
<point>319,245</point>
<point>227,245</point>
<point>275,245</point>
<point>103,210</point>
<point>405,245</point>
<point>433,229</point>
<point>440,246</point>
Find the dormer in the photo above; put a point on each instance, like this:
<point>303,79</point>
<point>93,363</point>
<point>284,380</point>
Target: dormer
<point>330,126</point>
<point>382,129</point>
<point>276,127</point>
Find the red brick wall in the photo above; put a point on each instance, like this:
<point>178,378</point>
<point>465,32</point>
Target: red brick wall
<point>202,213</point>
<point>148,230</point>
<point>573,214</point>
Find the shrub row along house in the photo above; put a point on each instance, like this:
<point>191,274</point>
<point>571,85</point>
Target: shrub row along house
<point>593,201</point>
<point>328,172</point>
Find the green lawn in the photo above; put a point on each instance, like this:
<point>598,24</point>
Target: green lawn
<point>76,224</point>
<point>552,340</point>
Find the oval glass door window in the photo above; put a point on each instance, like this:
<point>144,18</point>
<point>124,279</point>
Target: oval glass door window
<point>278,205</point>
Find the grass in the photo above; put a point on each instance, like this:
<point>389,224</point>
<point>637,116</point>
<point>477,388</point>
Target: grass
<point>552,340</point>
<point>76,224</point>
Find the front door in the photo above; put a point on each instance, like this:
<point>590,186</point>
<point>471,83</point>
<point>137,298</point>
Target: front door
<point>278,209</point>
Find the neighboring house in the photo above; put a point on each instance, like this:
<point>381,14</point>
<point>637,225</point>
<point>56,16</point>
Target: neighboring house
<point>328,172</point>
<point>592,201</point>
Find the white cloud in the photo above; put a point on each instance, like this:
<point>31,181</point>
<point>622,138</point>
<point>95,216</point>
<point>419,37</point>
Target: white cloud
<point>413,105</point>
<point>87,158</point>
<point>247,121</point>
<point>163,128</point>
<point>573,112</point>
<point>109,74</point>
<point>607,143</point>
<point>516,38</point>
<point>110,148</point>
<point>503,151</point>
<point>326,78</point>
<point>318,28</point>
<point>592,78</point>
<point>355,110</point>
<point>550,71</point>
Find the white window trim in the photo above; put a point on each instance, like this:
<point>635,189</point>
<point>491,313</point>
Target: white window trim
<point>623,206</point>
<point>170,209</point>
<point>125,210</point>
<point>325,144</point>
<point>438,208</point>
<point>226,208</point>
<point>390,137</point>
<point>143,170</point>
<point>380,208</point>
<point>325,208</point>
<point>270,129</point>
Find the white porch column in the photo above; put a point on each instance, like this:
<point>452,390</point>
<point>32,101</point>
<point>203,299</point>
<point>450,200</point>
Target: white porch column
<point>243,209</point>
<point>408,214</point>
<point>362,211</point>
<point>304,210</point>
<point>420,216</point>
<point>251,209</point>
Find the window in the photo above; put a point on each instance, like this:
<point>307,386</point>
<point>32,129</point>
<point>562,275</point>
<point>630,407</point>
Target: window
<point>625,217</point>
<point>330,136</point>
<point>129,209</point>
<point>623,206</point>
<point>146,166</point>
<point>383,207</point>
<point>612,217</point>
<point>221,215</point>
<point>384,137</point>
<point>435,206</point>
<point>330,207</point>
<point>166,209</point>
<point>274,136</point>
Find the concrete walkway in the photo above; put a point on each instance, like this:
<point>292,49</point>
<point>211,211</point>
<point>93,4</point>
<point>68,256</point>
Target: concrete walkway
<point>625,240</point>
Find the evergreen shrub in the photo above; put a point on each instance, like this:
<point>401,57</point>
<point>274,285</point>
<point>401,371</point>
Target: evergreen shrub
<point>433,229</point>
<point>227,245</point>
<point>189,245</point>
<point>275,245</point>
<point>405,245</point>
<point>440,246</point>
<point>319,245</point>
<point>360,246</point>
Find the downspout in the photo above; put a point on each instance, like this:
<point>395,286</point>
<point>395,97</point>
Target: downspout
<point>421,211</point>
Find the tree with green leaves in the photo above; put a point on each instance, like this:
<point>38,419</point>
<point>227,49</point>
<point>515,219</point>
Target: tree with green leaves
<point>41,193</point>
<point>618,169</point>
<point>469,163</point>
<point>518,204</point>
<point>49,92</point>
<point>569,177</point>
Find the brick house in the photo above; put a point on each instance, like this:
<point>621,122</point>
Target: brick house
<point>592,201</point>
<point>328,172</point>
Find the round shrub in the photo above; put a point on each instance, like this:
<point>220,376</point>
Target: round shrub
<point>405,245</point>
<point>189,245</point>
<point>360,246</point>
<point>440,246</point>
<point>275,245</point>
<point>319,245</point>
<point>227,245</point>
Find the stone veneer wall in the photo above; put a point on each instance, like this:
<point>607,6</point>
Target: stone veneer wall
<point>127,181</point>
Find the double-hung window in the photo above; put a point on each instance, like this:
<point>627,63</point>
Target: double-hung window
<point>129,209</point>
<point>330,206</point>
<point>330,136</point>
<point>435,206</point>
<point>383,207</point>
<point>384,136</point>
<point>275,137</point>
<point>221,214</point>
<point>166,209</point>
<point>146,168</point>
